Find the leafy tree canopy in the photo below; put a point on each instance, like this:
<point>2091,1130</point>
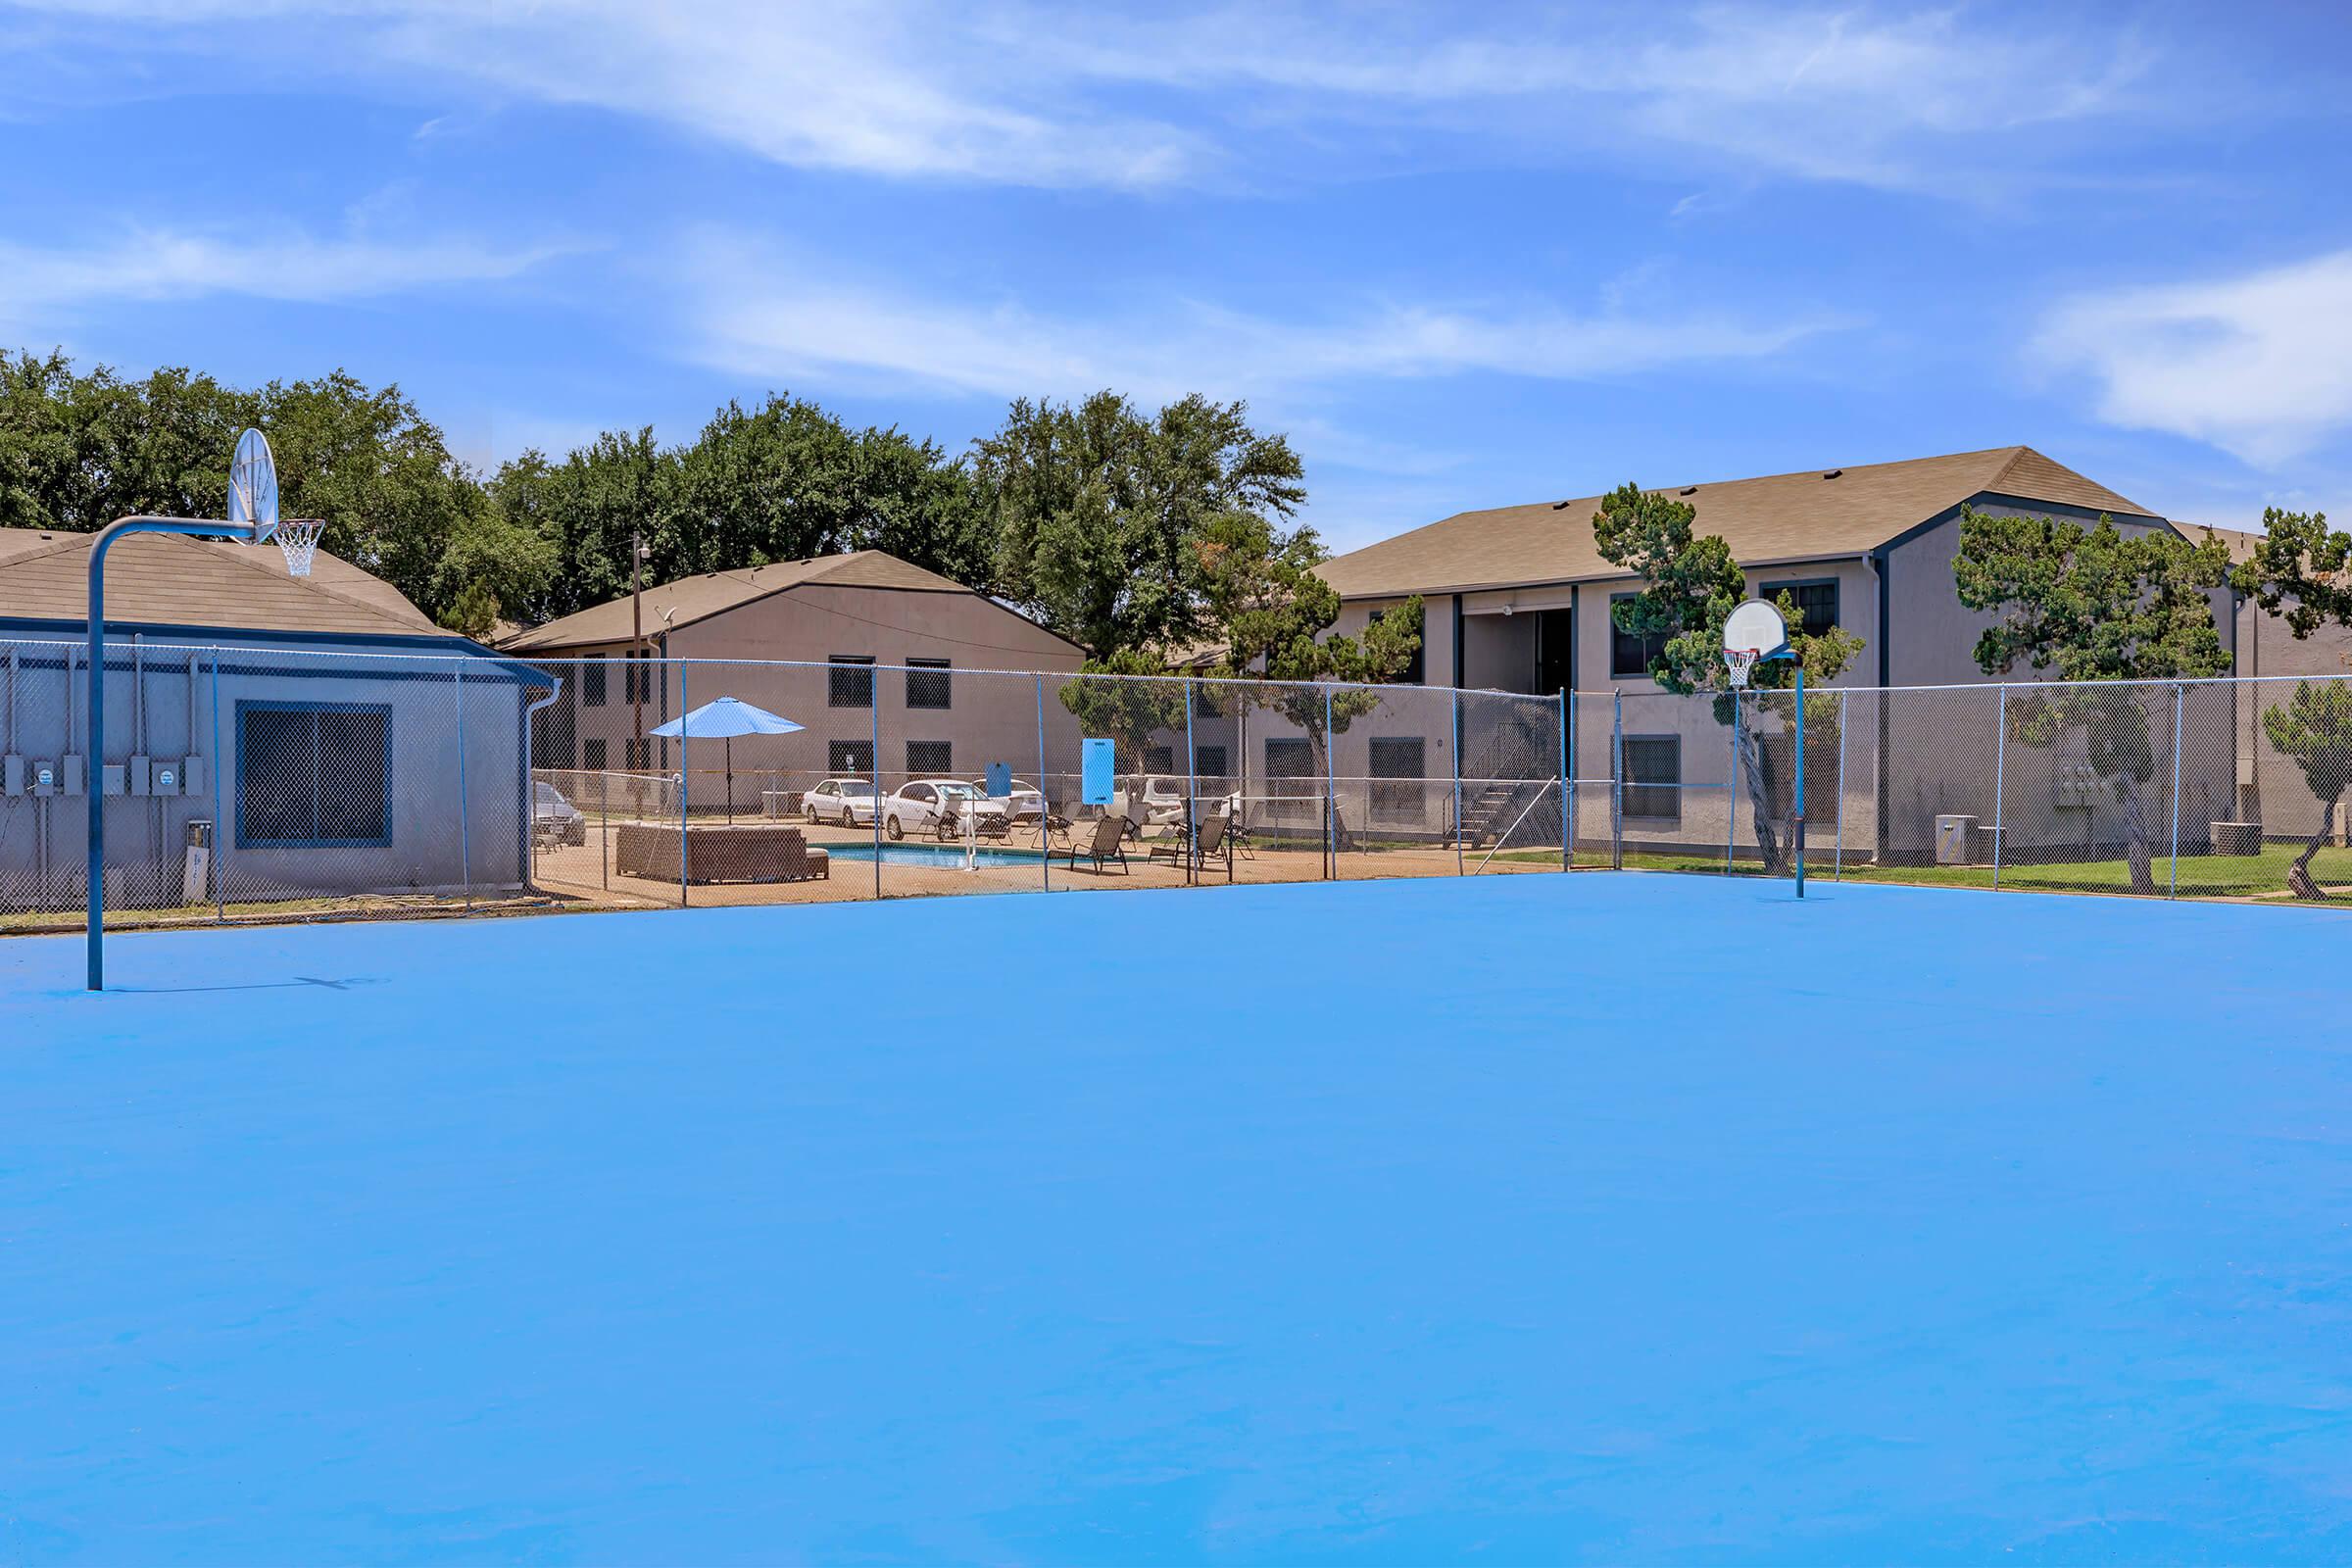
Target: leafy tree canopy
<point>1099,512</point>
<point>2300,571</point>
<point>2092,603</point>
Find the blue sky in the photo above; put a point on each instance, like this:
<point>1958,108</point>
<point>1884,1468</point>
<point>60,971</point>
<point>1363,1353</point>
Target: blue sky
<point>1465,255</point>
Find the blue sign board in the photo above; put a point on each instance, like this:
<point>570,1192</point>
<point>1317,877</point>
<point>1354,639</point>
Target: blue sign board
<point>1097,772</point>
<point>999,781</point>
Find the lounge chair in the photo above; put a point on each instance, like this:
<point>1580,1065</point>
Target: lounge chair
<point>1105,845</point>
<point>1211,842</point>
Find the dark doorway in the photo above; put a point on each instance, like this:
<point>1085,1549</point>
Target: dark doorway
<point>1555,650</point>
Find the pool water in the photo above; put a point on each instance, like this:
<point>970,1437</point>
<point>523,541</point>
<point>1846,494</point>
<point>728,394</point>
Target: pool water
<point>940,856</point>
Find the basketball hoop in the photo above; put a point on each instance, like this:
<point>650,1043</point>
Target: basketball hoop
<point>253,502</point>
<point>298,538</point>
<point>1741,661</point>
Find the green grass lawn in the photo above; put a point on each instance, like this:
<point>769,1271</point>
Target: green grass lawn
<point>2202,876</point>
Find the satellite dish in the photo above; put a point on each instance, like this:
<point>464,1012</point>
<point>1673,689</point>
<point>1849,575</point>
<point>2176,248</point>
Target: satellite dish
<point>253,485</point>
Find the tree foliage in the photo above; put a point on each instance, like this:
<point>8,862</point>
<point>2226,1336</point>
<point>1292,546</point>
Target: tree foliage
<point>2094,605</point>
<point>1099,512</point>
<point>2300,571</point>
<point>1690,586</point>
<point>2313,729</point>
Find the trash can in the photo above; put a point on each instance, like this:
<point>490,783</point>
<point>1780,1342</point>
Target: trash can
<point>196,863</point>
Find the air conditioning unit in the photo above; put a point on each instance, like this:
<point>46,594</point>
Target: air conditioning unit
<point>1955,839</point>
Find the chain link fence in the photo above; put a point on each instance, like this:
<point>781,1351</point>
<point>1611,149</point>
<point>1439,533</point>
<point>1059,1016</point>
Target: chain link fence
<point>243,783</point>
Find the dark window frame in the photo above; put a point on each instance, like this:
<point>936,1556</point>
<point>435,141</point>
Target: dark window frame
<point>841,689</point>
<point>927,678</point>
<point>596,754</point>
<point>1277,782</point>
<point>1796,585</point>
<point>1398,797</point>
<point>1620,640</point>
<point>315,839</point>
<point>943,769</point>
<point>1654,790</point>
<point>593,681</point>
<point>1202,755</point>
<point>850,753</point>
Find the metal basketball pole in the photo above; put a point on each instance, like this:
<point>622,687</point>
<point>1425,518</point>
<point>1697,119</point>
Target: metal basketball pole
<point>95,784</point>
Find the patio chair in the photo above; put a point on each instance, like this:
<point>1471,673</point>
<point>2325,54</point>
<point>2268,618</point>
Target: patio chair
<point>1211,842</point>
<point>1107,845</point>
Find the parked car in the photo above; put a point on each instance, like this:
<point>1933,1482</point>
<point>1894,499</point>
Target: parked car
<point>917,805</point>
<point>554,819</point>
<point>845,802</point>
<point>1157,798</point>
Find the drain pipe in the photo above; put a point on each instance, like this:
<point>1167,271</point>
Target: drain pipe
<point>531,796</point>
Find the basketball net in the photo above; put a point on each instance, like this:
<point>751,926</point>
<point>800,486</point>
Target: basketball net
<point>298,538</point>
<point>1741,661</point>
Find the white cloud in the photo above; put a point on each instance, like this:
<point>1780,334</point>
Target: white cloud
<point>2260,366</point>
<point>751,314</point>
<point>1047,94</point>
<point>149,265</point>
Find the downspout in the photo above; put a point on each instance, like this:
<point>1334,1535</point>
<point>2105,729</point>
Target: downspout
<point>531,804</point>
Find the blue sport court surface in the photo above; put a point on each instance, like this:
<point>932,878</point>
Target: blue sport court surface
<point>1617,1218</point>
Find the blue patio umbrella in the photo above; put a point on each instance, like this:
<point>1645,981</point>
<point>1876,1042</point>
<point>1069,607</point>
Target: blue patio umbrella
<point>722,719</point>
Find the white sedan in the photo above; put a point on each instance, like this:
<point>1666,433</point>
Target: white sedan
<point>847,802</point>
<point>917,806</point>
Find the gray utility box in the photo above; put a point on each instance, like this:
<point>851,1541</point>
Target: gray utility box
<point>1955,840</point>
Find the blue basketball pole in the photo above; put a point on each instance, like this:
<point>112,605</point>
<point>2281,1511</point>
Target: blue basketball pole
<point>94,779</point>
<point>1800,778</point>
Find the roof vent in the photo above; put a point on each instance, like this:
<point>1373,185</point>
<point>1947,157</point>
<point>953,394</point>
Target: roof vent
<point>1689,490</point>
<point>1834,473</point>
<point>1559,506</point>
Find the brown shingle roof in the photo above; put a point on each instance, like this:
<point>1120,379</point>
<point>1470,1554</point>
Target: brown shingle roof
<point>698,598</point>
<point>174,580</point>
<point>1785,517</point>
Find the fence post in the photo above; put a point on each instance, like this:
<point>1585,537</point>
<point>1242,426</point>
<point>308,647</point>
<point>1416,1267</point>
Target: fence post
<point>2000,769</point>
<point>1567,783</point>
<point>1731,791</point>
<point>1331,803</point>
<point>220,824</point>
<point>457,676</point>
<point>1045,800</point>
<point>1617,781</point>
<point>1192,790</point>
<point>873,708</point>
<point>1456,695</point>
<point>2180,697</point>
<point>603,826</point>
<point>1838,863</point>
<point>684,786</point>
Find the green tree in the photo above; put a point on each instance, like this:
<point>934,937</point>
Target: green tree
<point>1119,704</point>
<point>1097,512</point>
<point>2313,729</point>
<point>1274,615</point>
<point>2300,571</point>
<point>2094,606</point>
<point>1690,586</point>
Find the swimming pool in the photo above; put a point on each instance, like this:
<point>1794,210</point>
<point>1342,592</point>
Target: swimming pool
<point>939,857</point>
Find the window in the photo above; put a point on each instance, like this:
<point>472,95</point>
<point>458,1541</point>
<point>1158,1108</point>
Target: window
<point>930,756</point>
<point>1159,758</point>
<point>1654,775</point>
<point>1290,771</point>
<point>639,754</point>
<point>637,678</point>
<point>592,681</point>
<point>850,683</point>
<point>313,774</point>
<point>928,683</point>
<point>1629,655</point>
<point>596,755</point>
<point>1205,702</point>
<point>1208,762</point>
<point>849,756</point>
<point>1816,603</point>
<point>1414,670</point>
<point>1399,757</point>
